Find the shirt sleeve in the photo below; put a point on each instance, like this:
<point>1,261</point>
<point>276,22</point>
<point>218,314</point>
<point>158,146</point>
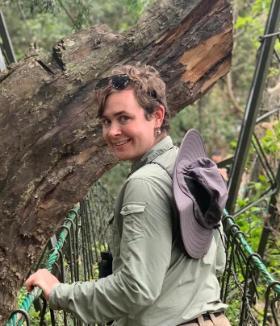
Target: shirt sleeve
<point>145,251</point>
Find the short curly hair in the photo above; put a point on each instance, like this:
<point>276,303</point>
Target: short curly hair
<point>149,90</point>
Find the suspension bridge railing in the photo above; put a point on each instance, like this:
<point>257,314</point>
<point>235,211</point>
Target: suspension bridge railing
<point>71,255</point>
<point>251,292</point>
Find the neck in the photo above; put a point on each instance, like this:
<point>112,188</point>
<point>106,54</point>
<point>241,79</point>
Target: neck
<point>162,135</point>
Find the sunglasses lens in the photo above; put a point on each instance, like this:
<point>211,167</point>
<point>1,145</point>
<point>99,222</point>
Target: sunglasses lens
<point>117,81</point>
<point>120,81</point>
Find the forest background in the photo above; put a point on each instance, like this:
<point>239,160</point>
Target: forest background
<point>39,24</point>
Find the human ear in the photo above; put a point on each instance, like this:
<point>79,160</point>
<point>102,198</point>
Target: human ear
<point>159,115</point>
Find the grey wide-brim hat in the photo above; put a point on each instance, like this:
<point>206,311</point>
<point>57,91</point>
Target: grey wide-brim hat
<point>200,194</point>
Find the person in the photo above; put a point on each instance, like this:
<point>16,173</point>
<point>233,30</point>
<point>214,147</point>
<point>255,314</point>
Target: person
<point>217,157</point>
<point>154,281</point>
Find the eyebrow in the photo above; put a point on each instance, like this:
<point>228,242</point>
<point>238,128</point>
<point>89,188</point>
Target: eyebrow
<point>115,114</point>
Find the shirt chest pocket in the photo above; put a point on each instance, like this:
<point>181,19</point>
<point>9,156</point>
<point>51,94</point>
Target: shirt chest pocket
<point>133,221</point>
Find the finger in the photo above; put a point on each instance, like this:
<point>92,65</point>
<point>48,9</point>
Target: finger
<point>31,282</point>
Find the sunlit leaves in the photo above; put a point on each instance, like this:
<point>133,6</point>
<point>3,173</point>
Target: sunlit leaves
<point>271,140</point>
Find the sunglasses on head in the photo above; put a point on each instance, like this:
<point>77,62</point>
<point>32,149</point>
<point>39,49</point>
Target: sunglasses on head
<point>119,82</point>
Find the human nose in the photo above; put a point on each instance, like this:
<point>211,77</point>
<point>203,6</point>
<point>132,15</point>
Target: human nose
<point>113,130</point>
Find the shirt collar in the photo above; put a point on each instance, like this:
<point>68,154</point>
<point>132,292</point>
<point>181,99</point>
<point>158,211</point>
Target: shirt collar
<point>164,145</point>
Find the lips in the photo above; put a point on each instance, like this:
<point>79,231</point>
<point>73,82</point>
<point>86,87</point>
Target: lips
<point>120,142</point>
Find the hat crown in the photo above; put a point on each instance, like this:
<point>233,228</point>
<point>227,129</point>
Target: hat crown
<point>203,182</point>
<point>200,194</point>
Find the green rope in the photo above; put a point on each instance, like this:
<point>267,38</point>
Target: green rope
<point>26,303</point>
<point>28,300</point>
<point>256,261</point>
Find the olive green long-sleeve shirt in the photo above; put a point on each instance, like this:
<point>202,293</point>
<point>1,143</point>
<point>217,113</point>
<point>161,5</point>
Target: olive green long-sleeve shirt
<point>153,282</point>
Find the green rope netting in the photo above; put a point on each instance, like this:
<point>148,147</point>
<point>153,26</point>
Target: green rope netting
<point>234,230</point>
<point>255,258</point>
<point>28,300</point>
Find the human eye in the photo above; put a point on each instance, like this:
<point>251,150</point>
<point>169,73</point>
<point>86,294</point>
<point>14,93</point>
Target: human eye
<point>105,122</point>
<point>123,119</point>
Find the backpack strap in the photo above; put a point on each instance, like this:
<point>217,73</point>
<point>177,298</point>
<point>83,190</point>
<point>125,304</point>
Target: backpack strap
<point>176,235</point>
<point>163,167</point>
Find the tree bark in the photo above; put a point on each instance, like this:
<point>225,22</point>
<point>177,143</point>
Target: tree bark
<point>51,148</point>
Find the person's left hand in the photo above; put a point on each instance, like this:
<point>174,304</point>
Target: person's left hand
<point>44,280</point>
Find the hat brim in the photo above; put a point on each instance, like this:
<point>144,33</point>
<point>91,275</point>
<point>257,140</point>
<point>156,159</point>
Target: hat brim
<point>191,148</point>
<point>196,239</point>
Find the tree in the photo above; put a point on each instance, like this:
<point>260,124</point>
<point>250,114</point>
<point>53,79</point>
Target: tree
<point>51,148</point>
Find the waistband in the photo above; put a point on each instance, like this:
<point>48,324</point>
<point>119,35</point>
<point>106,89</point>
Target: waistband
<point>205,316</point>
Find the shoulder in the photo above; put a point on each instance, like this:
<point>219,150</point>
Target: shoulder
<point>161,166</point>
<point>151,186</point>
<point>148,181</point>
<point>154,177</point>
<point>149,172</point>
<point>167,159</point>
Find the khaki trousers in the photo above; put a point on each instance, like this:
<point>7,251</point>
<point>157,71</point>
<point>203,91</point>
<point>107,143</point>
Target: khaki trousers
<point>220,320</point>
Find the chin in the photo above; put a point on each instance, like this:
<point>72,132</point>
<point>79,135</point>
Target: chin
<point>126,157</point>
<point>122,156</point>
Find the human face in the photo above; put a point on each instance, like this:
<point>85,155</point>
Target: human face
<point>126,130</point>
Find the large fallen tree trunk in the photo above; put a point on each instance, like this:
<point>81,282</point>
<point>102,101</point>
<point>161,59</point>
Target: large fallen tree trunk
<point>51,147</point>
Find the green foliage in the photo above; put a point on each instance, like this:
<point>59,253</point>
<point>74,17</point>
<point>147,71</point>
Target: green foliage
<point>33,314</point>
<point>211,115</point>
<point>274,257</point>
<point>233,310</point>
<point>273,72</point>
<point>271,140</point>
<point>249,27</point>
<point>251,222</point>
<point>52,32</point>
<point>243,22</point>
<point>40,23</point>
<point>21,296</point>
<point>39,29</point>
<point>260,6</point>
<point>114,178</point>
